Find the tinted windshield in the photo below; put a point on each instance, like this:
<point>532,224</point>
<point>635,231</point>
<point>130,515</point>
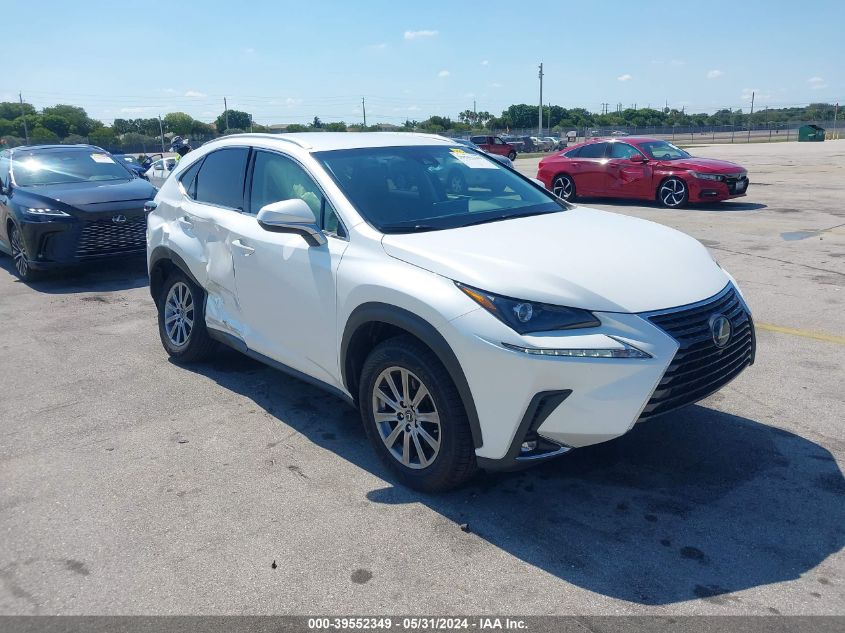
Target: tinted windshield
<point>661,150</point>
<point>417,188</point>
<point>60,167</point>
<point>126,158</point>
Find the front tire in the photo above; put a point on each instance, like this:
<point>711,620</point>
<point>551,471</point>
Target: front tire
<point>673,193</point>
<point>181,320</point>
<point>19,256</point>
<point>414,416</point>
<point>512,155</point>
<point>564,187</point>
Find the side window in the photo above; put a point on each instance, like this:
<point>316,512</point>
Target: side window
<point>188,179</point>
<point>220,180</point>
<point>573,153</point>
<point>276,177</point>
<point>622,150</point>
<point>498,141</point>
<point>593,150</point>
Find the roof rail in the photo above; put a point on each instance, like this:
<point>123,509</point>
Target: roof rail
<point>276,137</point>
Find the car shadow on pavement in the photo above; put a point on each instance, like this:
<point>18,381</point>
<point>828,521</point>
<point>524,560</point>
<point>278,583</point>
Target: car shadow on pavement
<point>103,276</point>
<point>718,207</point>
<point>694,505</point>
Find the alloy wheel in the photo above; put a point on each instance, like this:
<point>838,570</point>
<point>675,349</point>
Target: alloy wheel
<point>406,418</point>
<point>562,187</point>
<point>179,314</point>
<point>673,192</point>
<point>18,252</point>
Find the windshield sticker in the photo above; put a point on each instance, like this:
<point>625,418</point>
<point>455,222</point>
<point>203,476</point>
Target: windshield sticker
<point>471,160</point>
<point>101,158</point>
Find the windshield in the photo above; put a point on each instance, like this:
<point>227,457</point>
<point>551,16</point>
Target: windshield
<point>661,150</point>
<point>126,158</point>
<point>31,168</point>
<point>421,188</point>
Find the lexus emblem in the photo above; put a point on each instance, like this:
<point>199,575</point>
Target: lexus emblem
<point>720,328</point>
<point>119,219</point>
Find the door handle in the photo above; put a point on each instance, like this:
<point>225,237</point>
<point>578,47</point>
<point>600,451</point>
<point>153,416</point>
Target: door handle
<point>186,223</point>
<point>247,250</point>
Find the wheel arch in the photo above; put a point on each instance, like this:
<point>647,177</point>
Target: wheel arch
<point>163,261</point>
<point>664,177</point>
<point>371,323</point>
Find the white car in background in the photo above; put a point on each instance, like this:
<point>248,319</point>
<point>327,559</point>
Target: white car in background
<point>495,327</point>
<point>159,171</point>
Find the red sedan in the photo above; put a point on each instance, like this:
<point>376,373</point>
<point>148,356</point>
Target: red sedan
<point>643,168</point>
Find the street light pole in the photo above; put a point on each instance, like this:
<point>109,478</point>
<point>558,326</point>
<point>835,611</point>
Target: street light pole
<point>540,113</point>
<point>161,130</point>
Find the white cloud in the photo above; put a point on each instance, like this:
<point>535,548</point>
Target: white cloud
<point>249,51</point>
<point>817,83</point>
<point>485,62</point>
<point>416,35</point>
<point>140,109</point>
<point>413,108</point>
<point>443,73</point>
<point>496,85</point>
<point>195,94</point>
<point>713,74</point>
<point>625,77</point>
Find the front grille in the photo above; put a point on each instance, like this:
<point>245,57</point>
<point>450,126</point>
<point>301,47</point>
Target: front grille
<point>700,367</point>
<point>106,237</point>
<point>737,185</point>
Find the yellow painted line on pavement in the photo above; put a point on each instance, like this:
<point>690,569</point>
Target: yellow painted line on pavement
<point>819,336</point>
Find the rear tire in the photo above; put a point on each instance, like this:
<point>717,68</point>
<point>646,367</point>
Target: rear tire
<point>414,416</point>
<point>512,155</point>
<point>181,320</point>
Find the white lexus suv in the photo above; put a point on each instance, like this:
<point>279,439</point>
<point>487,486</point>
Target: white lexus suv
<point>484,325</point>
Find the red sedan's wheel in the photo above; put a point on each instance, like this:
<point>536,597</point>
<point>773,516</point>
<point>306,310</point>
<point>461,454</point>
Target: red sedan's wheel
<point>673,193</point>
<point>564,187</point>
<point>512,155</point>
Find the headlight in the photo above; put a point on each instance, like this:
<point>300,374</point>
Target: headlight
<point>701,176</point>
<point>525,317</point>
<point>45,212</point>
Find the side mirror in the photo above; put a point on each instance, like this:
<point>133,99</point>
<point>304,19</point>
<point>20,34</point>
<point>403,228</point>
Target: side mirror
<point>638,158</point>
<point>291,216</point>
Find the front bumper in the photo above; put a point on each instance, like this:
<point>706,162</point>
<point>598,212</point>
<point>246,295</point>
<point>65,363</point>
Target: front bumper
<point>73,240</point>
<point>592,400</point>
<point>715,191</point>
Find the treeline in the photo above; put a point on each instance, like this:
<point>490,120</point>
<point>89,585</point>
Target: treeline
<point>63,123</point>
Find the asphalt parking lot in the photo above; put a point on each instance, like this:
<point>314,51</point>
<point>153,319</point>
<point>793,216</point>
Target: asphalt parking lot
<point>131,485</point>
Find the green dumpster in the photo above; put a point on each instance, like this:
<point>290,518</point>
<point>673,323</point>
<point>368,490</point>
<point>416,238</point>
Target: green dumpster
<point>810,133</point>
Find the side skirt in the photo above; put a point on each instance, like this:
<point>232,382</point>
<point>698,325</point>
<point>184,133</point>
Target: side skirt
<point>239,345</point>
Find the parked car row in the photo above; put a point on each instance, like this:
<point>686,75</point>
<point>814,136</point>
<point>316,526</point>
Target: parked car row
<point>461,307</point>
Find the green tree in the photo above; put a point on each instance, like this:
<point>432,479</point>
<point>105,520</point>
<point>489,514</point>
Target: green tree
<point>233,130</point>
<point>6,127</point>
<point>42,135</point>
<point>123,126</point>
<point>337,126</point>
<point>79,121</point>
<point>296,127</point>
<point>178,123</point>
<point>59,125</point>
<point>12,109</point>
<point>104,137</point>
<point>317,123</point>
<point>237,119</point>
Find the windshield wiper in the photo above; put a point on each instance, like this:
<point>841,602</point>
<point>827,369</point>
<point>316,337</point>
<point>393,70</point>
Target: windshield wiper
<point>506,216</point>
<point>409,228</point>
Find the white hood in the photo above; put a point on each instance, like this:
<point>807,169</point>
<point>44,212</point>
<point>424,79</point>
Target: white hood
<point>580,258</point>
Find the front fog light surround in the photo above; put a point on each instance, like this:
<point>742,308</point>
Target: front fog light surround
<point>627,351</point>
<point>526,317</point>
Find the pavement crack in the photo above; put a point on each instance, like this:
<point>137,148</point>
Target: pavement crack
<point>775,259</point>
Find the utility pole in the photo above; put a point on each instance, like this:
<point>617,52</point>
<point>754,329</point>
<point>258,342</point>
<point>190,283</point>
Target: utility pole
<point>226,112</point>
<point>540,113</point>
<point>161,131</point>
<point>250,123</point>
<point>550,118</point>
<point>364,108</point>
<point>835,114</point>
<point>751,116</point>
<point>23,116</point>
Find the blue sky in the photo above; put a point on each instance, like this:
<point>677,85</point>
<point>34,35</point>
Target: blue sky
<point>289,61</point>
